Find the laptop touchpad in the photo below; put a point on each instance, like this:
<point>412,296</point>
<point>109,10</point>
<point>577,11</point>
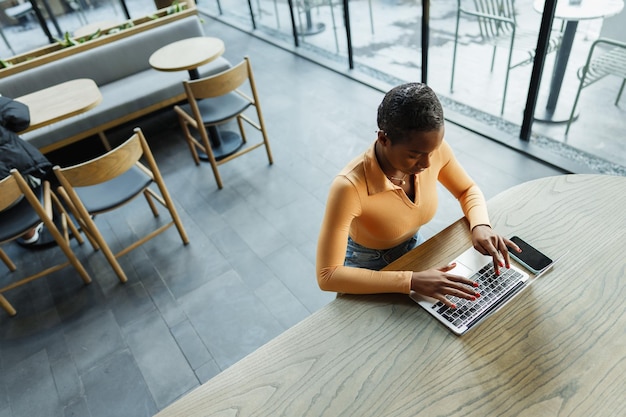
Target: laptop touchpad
<point>461,270</point>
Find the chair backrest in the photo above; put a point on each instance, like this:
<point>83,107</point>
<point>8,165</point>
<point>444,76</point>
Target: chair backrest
<point>9,192</point>
<point>107,166</point>
<point>219,84</point>
<point>495,17</point>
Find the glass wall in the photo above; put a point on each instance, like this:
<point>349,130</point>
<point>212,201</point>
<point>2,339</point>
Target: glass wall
<point>385,41</point>
<point>24,30</point>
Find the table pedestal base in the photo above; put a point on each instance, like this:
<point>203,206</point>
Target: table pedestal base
<point>223,144</point>
<point>314,29</point>
<point>559,115</point>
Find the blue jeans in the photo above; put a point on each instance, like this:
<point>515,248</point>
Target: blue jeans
<point>361,257</point>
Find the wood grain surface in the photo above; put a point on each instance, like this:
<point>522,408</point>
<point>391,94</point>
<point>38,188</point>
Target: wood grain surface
<point>187,54</point>
<point>60,102</point>
<point>557,349</point>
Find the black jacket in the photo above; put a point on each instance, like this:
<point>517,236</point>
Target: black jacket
<point>15,152</point>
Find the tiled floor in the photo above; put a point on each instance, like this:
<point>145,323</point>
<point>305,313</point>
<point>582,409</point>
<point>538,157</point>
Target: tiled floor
<point>188,312</point>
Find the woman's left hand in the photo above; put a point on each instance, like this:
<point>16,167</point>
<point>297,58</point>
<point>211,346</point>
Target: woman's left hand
<point>489,243</point>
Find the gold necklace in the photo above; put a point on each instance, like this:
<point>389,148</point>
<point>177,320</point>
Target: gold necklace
<point>402,180</point>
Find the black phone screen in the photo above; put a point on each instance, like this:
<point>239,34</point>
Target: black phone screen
<point>529,256</point>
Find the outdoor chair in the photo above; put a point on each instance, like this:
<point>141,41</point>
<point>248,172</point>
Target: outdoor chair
<point>21,209</point>
<point>6,41</point>
<point>606,57</point>
<point>498,27</point>
<point>215,100</point>
<point>110,181</point>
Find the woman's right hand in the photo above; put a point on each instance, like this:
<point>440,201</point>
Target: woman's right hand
<point>437,283</point>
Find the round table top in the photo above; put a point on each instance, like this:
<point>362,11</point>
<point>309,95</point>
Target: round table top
<point>60,102</point>
<point>187,54</point>
<point>583,10</point>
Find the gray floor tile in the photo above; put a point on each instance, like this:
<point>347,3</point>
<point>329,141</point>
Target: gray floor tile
<point>92,338</point>
<point>67,381</point>
<point>161,362</point>
<point>217,311</point>
<point>207,371</point>
<point>286,307</point>
<point>298,274</point>
<point>116,387</point>
<point>191,345</point>
<point>78,408</point>
<point>32,390</point>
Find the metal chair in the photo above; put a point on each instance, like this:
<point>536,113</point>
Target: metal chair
<point>215,100</point>
<point>606,57</point>
<point>6,41</point>
<point>21,209</point>
<point>498,27</point>
<point>110,181</point>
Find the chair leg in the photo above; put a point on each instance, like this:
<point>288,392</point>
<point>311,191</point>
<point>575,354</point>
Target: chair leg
<point>105,141</point>
<point>7,261</point>
<point>371,16</point>
<point>332,14</point>
<point>77,216</point>
<point>204,135</point>
<point>242,131</point>
<point>104,248</point>
<point>63,245</point>
<point>187,134</point>
<point>621,89</point>
<point>506,77</point>
<point>66,221</point>
<point>7,306</point>
<point>456,39</point>
<point>276,13</point>
<point>6,41</point>
<point>266,140</point>
<point>165,195</point>
<point>580,87</point>
<point>153,207</point>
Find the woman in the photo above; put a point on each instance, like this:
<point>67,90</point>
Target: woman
<point>379,201</point>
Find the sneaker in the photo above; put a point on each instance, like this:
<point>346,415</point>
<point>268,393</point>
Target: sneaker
<point>34,238</point>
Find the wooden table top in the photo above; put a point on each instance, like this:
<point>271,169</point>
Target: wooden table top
<point>60,101</point>
<point>187,54</point>
<point>584,10</point>
<point>558,348</point>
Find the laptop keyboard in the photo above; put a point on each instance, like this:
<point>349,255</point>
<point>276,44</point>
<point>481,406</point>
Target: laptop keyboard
<point>492,289</point>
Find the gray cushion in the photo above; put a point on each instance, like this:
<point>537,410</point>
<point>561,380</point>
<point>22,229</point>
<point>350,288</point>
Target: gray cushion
<point>105,63</point>
<point>120,98</point>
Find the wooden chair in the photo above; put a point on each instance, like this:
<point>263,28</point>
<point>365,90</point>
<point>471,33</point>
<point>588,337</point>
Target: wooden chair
<point>110,181</point>
<point>498,27</point>
<point>21,209</point>
<point>606,57</point>
<point>215,100</point>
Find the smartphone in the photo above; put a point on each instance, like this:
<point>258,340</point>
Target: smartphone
<point>530,257</point>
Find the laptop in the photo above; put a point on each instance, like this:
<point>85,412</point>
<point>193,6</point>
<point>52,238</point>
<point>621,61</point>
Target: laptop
<point>495,292</point>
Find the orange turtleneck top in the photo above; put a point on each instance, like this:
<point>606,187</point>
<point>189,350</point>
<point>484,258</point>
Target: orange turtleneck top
<point>375,213</point>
